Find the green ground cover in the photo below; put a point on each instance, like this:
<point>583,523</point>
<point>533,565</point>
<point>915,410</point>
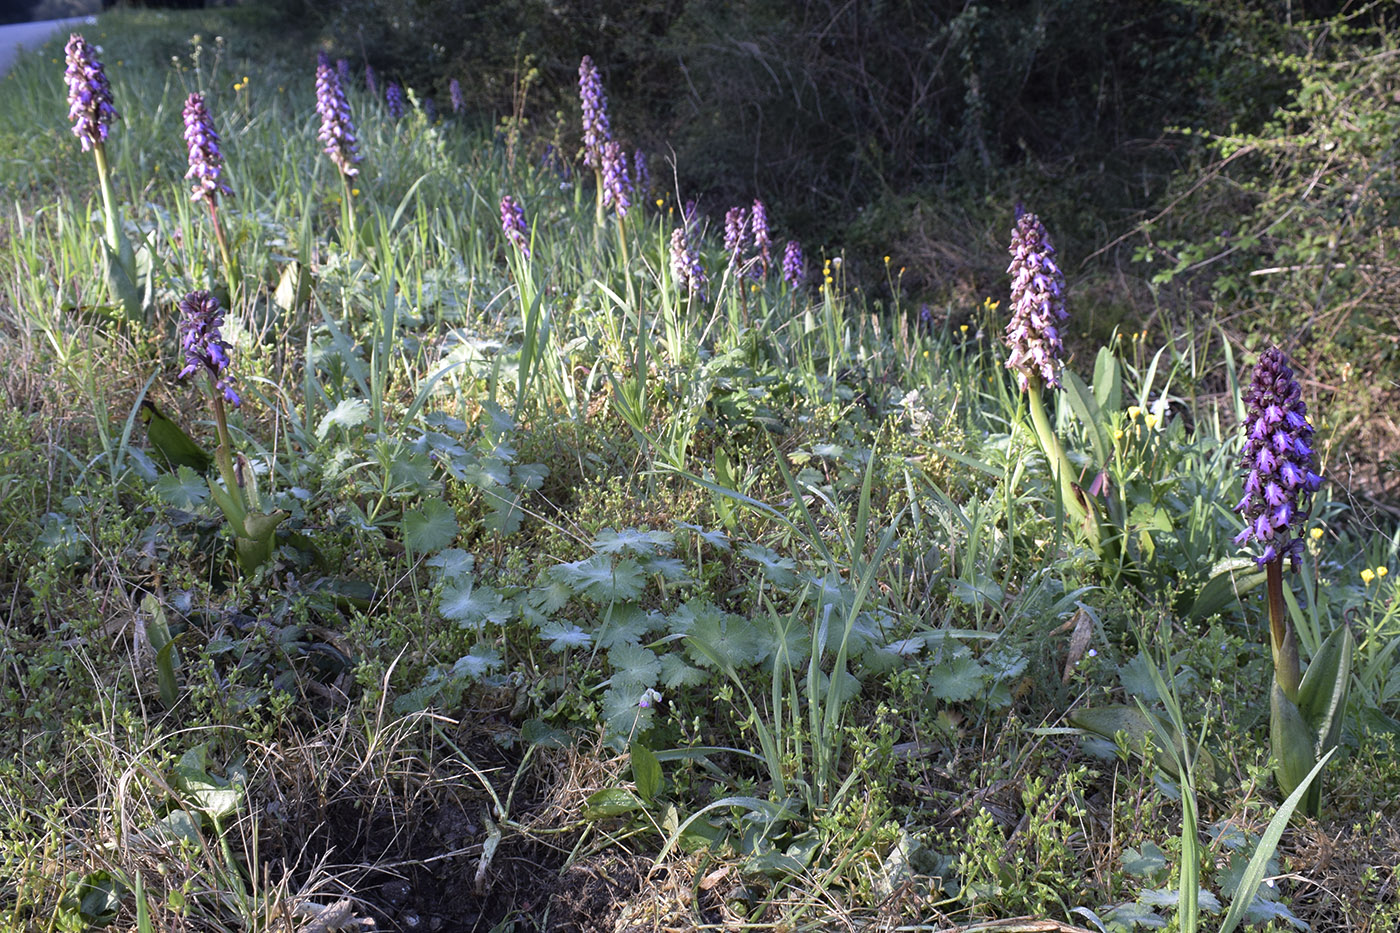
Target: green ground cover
<point>603,598</point>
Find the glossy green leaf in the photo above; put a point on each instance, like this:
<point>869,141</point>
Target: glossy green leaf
<point>1086,409</point>
<point>646,771</point>
<point>430,527</point>
<point>1322,695</point>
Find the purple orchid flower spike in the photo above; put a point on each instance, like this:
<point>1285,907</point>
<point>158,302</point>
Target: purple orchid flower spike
<point>337,131</point>
<point>794,266</point>
<point>596,129</point>
<point>513,224</point>
<point>1280,474</point>
<point>206,161</point>
<point>1038,306</point>
<point>89,95</point>
<point>205,348</point>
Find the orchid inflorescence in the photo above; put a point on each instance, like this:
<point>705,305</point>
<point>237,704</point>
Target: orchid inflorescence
<point>89,95</point>
<point>1278,457</point>
<point>206,161</point>
<point>685,261</point>
<point>337,131</point>
<point>454,91</point>
<point>794,266</point>
<point>762,239</point>
<point>205,348</point>
<point>513,224</point>
<point>736,221</point>
<point>596,130</point>
<point>617,187</point>
<point>1038,305</point>
<point>393,99</point>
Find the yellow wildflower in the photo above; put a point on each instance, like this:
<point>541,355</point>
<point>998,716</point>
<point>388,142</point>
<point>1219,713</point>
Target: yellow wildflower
<point>1151,421</point>
<point>963,328</point>
<point>1133,412</point>
<point>1382,570</point>
<point>1317,533</point>
<point>1367,576</point>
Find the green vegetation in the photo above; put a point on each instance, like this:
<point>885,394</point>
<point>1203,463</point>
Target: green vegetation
<point>597,597</point>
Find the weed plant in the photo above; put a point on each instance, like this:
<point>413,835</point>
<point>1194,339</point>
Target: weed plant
<point>603,591</point>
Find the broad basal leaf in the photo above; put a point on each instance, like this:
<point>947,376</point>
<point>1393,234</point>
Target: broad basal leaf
<point>429,528</point>
<point>957,681</point>
<point>634,664</point>
<point>482,659</point>
<point>564,635</point>
<point>632,539</point>
<point>185,489</point>
<point>347,413</point>
<point>599,579</point>
<point>473,606</point>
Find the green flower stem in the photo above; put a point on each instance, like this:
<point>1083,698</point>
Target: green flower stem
<point>627,267</point>
<point>230,270</point>
<point>350,239</point>
<point>1282,638</point>
<point>109,198</point>
<point>231,502</point>
<point>1059,463</point>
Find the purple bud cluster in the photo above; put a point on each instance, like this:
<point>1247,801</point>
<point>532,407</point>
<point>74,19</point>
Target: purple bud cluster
<point>206,162</point>
<point>205,348</point>
<point>641,174</point>
<point>617,188</point>
<point>596,130</point>
<point>794,266</point>
<point>371,82</point>
<point>761,236</point>
<point>736,222</point>
<point>685,262</point>
<point>513,224</point>
<point>89,95</point>
<point>1278,459</point>
<point>342,71</point>
<point>393,99</point>
<point>1037,303</point>
<point>430,110</point>
<point>454,90</point>
<point>337,132</point>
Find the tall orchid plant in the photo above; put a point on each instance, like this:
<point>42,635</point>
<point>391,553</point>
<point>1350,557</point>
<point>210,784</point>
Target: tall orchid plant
<point>91,108</point>
<point>207,353</point>
<point>1280,480</point>
<point>1033,338</point>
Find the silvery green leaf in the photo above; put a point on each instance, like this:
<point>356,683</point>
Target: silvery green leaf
<point>955,682</point>
<point>626,623</point>
<point>347,413</point>
<point>184,490</point>
<point>780,571</point>
<point>632,539</point>
<point>429,528</point>
<point>716,539</point>
<point>473,606</point>
<point>453,563</point>
<point>563,636</point>
<point>676,673</point>
<point>634,664</point>
<point>482,659</point>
